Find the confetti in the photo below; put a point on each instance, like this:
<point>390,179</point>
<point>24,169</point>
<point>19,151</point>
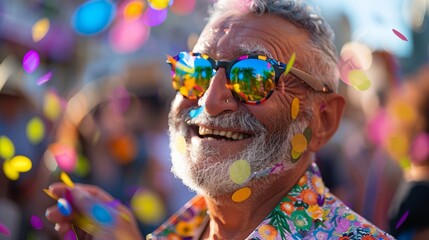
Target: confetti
<point>36,222</point>
<point>359,80</point>
<point>294,110</point>
<point>180,144</point>
<point>35,130</point>
<point>299,143</point>
<point>20,163</point>
<point>159,4</point>
<point>195,112</point>
<point>101,214</point>
<point>70,235</point>
<point>64,207</point>
<point>295,156</point>
<point>66,179</point>
<point>239,171</point>
<point>93,16</point>
<point>400,35</point>
<point>40,29</point>
<point>50,194</point>
<point>128,36</point>
<point>31,61</point>
<point>7,149</point>
<point>397,145</point>
<point>9,171</point>
<point>82,167</point>
<point>51,105</point>
<point>290,63</point>
<point>153,17</point>
<point>420,148</point>
<point>133,10</point>
<point>183,7</point>
<point>4,230</point>
<point>148,207</point>
<point>402,219</point>
<point>308,134</point>
<point>241,194</point>
<point>64,155</point>
<point>45,78</point>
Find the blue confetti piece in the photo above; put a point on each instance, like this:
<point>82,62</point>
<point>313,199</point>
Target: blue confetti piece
<point>195,112</point>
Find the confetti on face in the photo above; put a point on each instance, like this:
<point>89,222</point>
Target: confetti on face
<point>299,143</point>
<point>4,230</point>
<point>9,171</point>
<point>36,222</point>
<point>290,63</point>
<point>359,80</point>
<point>241,194</point>
<point>133,10</point>
<point>307,134</point>
<point>402,219</point>
<point>66,179</point>
<point>239,171</point>
<point>70,235</point>
<point>159,4</point>
<point>101,214</point>
<point>153,17</point>
<point>195,112</point>
<point>93,16</point>
<point>31,61</point>
<point>7,149</point>
<point>295,156</point>
<point>183,7</point>
<point>51,105</point>
<point>294,110</point>
<point>128,36</point>
<point>40,29</point>
<point>64,207</point>
<point>400,35</point>
<point>35,130</point>
<point>147,207</point>
<point>21,163</point>
<point>180,144</point>
<point>45,78</point>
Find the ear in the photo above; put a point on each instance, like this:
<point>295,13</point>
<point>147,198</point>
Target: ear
<point>326,119</point>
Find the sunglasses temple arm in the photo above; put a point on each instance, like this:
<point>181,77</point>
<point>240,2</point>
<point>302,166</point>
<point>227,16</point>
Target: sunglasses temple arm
<point>310,80</point>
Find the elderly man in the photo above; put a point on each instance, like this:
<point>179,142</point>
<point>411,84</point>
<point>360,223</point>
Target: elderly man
<point>255,102</point>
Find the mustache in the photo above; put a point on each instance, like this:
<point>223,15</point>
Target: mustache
<point>243,121</point>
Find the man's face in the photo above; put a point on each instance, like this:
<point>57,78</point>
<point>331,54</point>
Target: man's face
<point>227,130</point>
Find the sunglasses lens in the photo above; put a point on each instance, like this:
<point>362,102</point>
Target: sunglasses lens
<point>252,79</point>
<point>191,75</point>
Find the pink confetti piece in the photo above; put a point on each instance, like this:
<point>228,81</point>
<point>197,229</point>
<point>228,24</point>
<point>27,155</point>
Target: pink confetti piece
<point>400,35</point>
<point>36,222</point>
<point>402,219</point>
<point>4,230</point>
<point>44,78</point>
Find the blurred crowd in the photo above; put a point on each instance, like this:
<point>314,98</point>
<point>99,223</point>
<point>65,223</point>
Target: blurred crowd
<point>111,131</point>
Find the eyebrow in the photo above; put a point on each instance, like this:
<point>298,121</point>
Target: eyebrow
<point>253,49</point>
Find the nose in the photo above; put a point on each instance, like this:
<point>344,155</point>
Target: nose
<point>218,98</point>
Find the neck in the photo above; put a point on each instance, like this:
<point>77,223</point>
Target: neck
<point>417,173</point>
<point>232,220</point>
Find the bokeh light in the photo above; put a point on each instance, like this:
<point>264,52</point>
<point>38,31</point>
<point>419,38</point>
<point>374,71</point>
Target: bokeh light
<point>9,172</point>
<point>4,230</point>
<point>153,17</point>
<point>183,7</point>
<point>7,148</point>
<point>128,36</point>
<point>159,4</point>
<point>359,80</point>
<point>21,163</point>
<point>133,9</point>
<point>82,167</point>
<point>35,130</point>
<point>239,171</point>
<point>147,207</point>
<point>40,29</point>
<point>36,222</point>
<point>31,61</point>
<point>51,105</point>
<point>101,214</point>
<point>45,78</point>
<point>93,17</point>
<point>64,155</point>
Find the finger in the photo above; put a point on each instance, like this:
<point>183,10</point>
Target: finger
<point>55,216</point>
<point>95,191</point>
<point>62,228</point>
<point>57,188</point>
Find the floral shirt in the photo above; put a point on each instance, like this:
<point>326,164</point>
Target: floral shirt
<point>309,211</point>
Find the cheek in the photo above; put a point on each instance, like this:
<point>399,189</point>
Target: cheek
<point>179,103</point>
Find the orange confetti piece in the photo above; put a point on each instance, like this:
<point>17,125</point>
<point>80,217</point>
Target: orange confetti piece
<point>294,110</point>
<point>241,194</point>
<point>50,194</point>
<point>299,143</point>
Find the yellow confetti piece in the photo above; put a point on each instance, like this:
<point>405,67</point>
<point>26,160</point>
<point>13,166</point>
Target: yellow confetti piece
<point>359,80</point>
<point>66,179</point>
<point>133,10</point>
<point>21,163</point>
<point>7,149</point>
<point>239,171</point>
<point>148,207</point>
<point>299,143</point>
<point>51,106</point>
<point>183,91</point>
<point>180,144</point>
<point>40,29</point>
<point>9,171</point>
<point>159,4</point>
<point>295,155</point>
<point>290,64</point>
<point>35,130</point>
<point>294,110</point>
<point>241,194</point>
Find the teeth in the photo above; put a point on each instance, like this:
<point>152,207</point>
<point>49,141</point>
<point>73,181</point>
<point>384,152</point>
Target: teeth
<point>229,134</point>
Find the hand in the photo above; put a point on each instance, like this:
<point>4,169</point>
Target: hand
<point>95,214</point>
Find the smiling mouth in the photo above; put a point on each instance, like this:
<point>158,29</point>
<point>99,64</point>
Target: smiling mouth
<point>225,135</point>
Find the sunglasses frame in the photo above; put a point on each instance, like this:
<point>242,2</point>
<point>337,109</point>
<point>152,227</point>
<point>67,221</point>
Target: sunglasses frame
<point>279,69</point>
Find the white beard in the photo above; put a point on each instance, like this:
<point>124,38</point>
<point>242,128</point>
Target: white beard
<point>203,169</point>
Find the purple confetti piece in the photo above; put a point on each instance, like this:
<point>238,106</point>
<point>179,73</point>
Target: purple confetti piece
<point>31,61</point>
<point>70,235</point>
<point>4,230</point>
<point>400,35</point>
<point>44,78</point>
<point>402,219</point>
<point>36,222</point>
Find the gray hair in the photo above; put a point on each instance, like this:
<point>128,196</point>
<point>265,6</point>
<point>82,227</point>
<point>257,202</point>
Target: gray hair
<point>320,56</point>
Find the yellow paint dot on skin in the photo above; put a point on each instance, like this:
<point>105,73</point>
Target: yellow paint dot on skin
<point>66,179</point>
<point>241,194</point>
<point>294,110</point>
<point>35,130</point>
<point>359,80</point>
<point>239,171</point>
<point>21,163</point>
<point>290,63</point>
<point>181,144</point>
<point>40,29</point>
<point>7,149</point>
<point>299,143</point>
<point>295,155</point>
<point>9,171</point>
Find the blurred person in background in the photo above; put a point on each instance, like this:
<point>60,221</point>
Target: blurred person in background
<point>243,134</point>
<point>408,144</point>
